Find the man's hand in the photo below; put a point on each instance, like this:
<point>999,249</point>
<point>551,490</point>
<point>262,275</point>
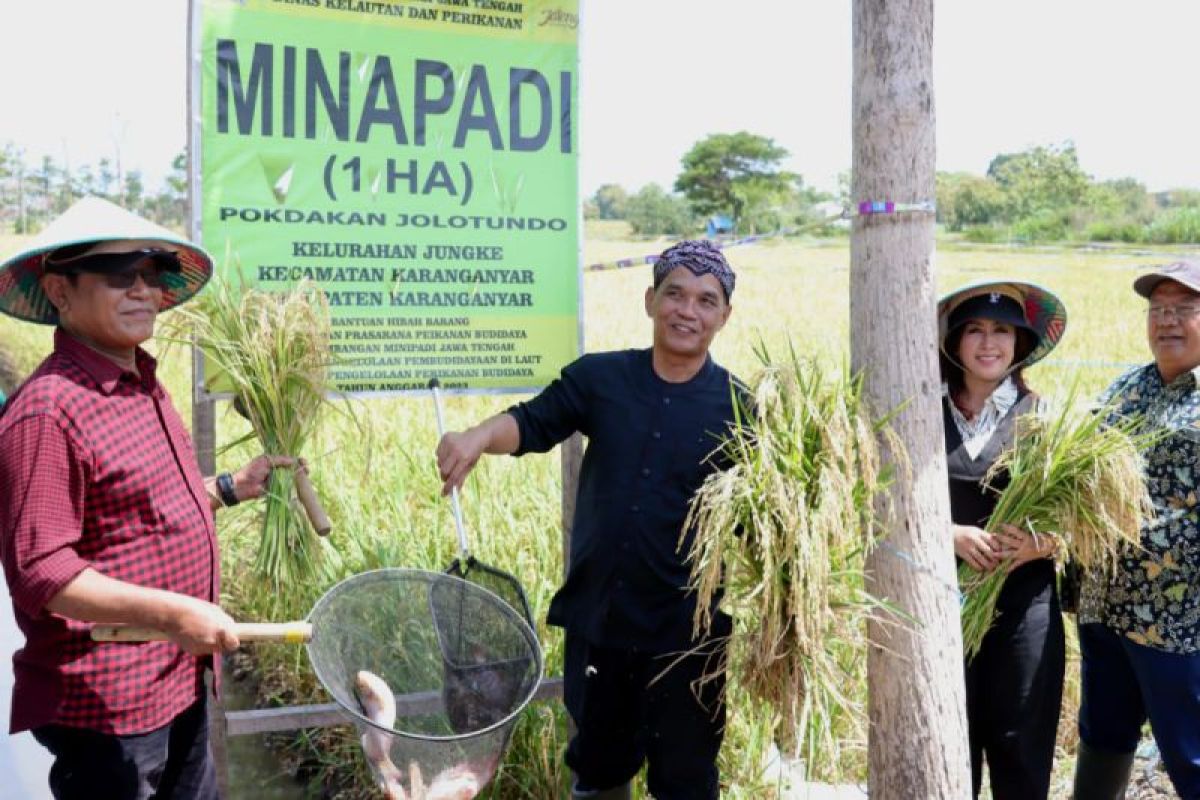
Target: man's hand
<point>977,547</point>
<point>250,482</point>
<point>457,454</point>
<point>195,625</point>
<point>1020,547</point>
<point>200,627</point>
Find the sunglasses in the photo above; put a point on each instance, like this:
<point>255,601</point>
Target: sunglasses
<point>153,277</point>
<point>120,270</point>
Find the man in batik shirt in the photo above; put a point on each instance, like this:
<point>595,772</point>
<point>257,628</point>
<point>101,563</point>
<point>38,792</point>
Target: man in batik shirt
<point>1139,629</point>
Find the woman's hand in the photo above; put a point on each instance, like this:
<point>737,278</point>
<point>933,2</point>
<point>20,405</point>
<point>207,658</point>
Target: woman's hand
<point>1019,546</point>
<point>977,547</point>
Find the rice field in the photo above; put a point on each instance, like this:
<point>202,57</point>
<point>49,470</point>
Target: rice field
<point>381,488</point>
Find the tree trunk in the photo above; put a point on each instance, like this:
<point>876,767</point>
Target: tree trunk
<point>918,731</point>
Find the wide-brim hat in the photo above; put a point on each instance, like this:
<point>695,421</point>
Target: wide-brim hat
<point>93,219</point>
<point>1045,315</point>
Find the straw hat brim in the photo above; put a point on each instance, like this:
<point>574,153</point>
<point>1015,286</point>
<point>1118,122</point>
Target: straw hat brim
<point>1044,311</point>
<point>93,219</point>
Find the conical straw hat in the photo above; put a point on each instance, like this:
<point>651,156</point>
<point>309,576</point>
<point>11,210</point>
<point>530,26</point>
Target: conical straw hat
<point>93,219</point>
<point>1045,313</point>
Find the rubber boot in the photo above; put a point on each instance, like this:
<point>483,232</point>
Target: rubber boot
<point>1101,775</point>
<point>622,792</point>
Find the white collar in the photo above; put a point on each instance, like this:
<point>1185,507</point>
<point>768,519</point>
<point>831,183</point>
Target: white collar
<point>1002,398</point>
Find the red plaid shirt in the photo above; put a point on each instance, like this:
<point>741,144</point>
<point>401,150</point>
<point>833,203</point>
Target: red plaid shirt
<point>97,470</point>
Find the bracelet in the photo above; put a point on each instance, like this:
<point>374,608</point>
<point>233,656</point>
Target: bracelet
<point>225,489</point>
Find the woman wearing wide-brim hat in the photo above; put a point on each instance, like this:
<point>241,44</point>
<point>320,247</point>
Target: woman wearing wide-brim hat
<point>990,333</point>
<point>105,517</point>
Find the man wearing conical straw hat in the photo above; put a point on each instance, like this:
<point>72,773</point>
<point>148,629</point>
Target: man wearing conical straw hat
<point>105,516</point>
<point>990,333</point>
<point>1139,629</point>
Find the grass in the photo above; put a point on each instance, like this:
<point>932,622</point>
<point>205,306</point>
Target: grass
<point>391,513</point>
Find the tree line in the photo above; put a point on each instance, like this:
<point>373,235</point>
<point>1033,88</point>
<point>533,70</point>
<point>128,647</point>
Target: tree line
<point>1041,194</point>
<point>735,176</point>
<point>35,191</point>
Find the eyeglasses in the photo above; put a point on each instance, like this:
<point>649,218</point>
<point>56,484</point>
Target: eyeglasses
<point>1179,313</point>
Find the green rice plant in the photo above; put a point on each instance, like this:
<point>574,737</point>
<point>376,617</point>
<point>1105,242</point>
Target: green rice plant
<point>1074,475</point>
<point>784,533</point>
<point>271,350</point>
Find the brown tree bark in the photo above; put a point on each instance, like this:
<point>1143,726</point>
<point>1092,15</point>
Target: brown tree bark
<point>918,732</point>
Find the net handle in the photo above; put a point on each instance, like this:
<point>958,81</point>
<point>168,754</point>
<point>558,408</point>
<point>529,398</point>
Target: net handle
<point>311,503</point>
<point>464,552</point>
<point>287,632</point>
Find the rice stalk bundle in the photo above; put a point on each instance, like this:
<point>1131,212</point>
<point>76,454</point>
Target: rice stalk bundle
<point>784,534</point>
<point>271,350</point>
<point>1075,476</point>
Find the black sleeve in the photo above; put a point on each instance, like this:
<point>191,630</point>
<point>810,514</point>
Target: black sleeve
<point>553,415</point>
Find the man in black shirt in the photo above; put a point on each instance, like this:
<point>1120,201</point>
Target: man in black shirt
<point>654,419</point>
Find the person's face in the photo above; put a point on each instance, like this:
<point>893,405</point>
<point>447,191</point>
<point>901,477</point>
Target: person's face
<point>112,319</point>
<point>1173,328</point>
<point>986,349</point>
<point>687,311</point>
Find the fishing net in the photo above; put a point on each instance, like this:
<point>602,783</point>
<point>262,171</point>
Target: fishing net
<point>460,662</point>
<point>478,684</point>
<point>500,583</point>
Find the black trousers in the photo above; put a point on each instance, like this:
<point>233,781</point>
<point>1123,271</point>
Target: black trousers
<point>1014,696</point>
<point>171,763</point>
<point>632,707</point>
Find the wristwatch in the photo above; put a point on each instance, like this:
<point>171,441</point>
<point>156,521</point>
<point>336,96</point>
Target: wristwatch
<point>225,489</point>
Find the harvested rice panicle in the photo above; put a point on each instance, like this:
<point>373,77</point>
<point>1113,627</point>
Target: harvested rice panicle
<point>1075,475</point>
<point>271,350</point>
<point>784,533</point>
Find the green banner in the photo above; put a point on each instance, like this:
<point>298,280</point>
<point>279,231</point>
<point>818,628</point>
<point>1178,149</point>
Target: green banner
<point>418,160</point>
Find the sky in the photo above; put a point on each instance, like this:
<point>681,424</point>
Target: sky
<point>658,75</point>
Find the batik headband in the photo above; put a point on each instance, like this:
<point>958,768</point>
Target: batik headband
<point>701,257</point>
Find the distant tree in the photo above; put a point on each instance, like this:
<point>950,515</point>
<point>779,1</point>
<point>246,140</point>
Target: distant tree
<point>133,191</point>
<point>964,200</point>
<point>84,181</point>
<point>169,206</point>
<point>33,193</point>
<point>8,163</point>
<point>651,212</point>
<point>1121,198</point>
<point>799,205</point>
<point>1039,180</point>
<point>734,174</point>
<point>1179,198</point>
<point>105,178</point>
<point>22,197</point>
<point>42,183</point>
<point>611,200</point>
